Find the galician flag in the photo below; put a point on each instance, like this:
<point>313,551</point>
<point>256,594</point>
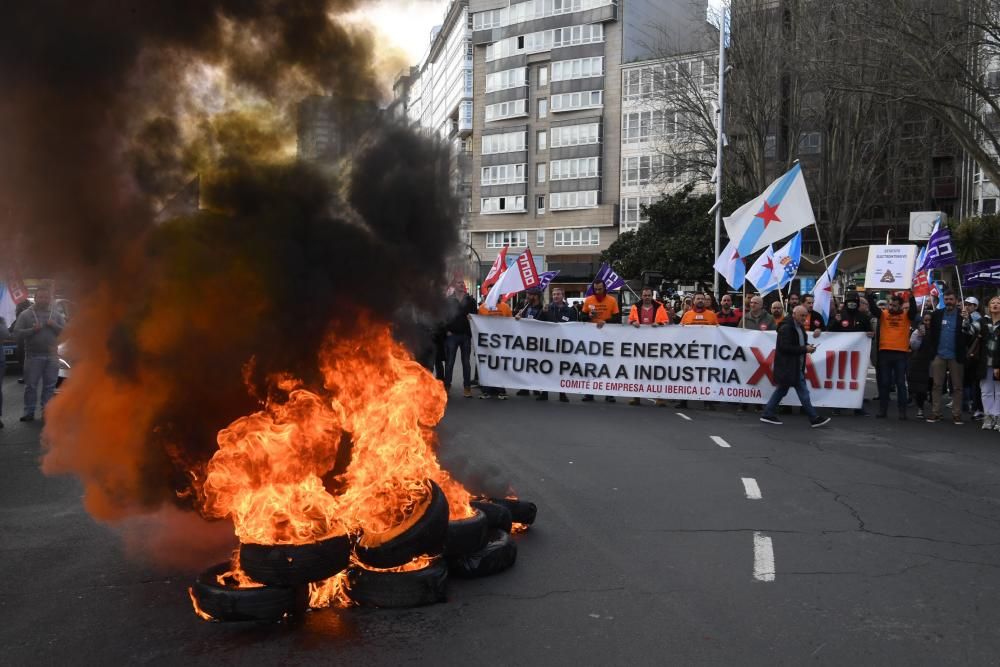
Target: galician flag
<point>761,274</point>
<point>521,275</point>
<point>781,211</point>
<point>730,266</point>
<point>939,251</point>
<point>495,271</point>
<point>786,263</point>
<point>823,292</point>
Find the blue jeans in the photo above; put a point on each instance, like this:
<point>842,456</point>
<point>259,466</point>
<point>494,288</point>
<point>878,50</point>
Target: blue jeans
<point>891,372</point>
<point>452,344</point>
<point>39,369</point>
<point>803,392</point>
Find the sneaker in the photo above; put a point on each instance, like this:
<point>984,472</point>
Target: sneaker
<point>768,419</point>
<point>957,421</point>
<point>467,392</point>
<point>502,397</point>
<point>28,418</point>
<point>483,397</point>
<point>587,399</point>
<point>609,399</point>
<point>819,421</point>
<point>933,419</point>
<point>988,422</point>
<point>634,401</point>
<point>920,414</point>
<point>563,398</point>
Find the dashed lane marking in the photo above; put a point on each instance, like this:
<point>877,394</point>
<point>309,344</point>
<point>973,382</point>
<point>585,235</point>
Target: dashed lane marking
<point>683,416</point>
<point>751,488</point>
<point>763,557</point>
<point>719,441</point>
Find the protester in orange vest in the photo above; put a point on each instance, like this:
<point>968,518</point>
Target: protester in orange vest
<point>502,310</point>
<point>600,308</point>
<point>699,315</point>
<point>778,313</point>
<point>894,326</point>
<point>652,313</point>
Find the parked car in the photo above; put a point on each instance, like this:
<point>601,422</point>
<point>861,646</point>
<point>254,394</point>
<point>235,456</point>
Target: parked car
<point>64,363</point>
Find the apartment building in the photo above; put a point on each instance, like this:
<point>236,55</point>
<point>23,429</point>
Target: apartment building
<point>546,140</point>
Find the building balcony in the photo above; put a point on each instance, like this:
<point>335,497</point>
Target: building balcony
<point>944,187</point>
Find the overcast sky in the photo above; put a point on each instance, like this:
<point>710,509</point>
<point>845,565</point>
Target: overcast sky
<point>406,23</point>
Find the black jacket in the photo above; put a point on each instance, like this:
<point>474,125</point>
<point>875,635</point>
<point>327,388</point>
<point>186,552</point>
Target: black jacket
<point>553,313</point>
<point>457,312</point>
<point>963,333</point>
<point>983,331</point>
<point>789,355</point>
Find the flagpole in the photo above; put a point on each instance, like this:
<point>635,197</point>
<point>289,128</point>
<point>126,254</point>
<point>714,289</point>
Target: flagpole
<point>720,139</point>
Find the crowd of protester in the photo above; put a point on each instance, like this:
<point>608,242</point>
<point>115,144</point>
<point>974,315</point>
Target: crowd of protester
<point>926,358</point>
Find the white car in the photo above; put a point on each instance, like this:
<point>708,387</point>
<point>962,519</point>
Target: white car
<point>64,365</point>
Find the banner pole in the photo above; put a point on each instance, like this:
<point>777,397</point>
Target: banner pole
<point>959,274</point>
<point>743,304</point>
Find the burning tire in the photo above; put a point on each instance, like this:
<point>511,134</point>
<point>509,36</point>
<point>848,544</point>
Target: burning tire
<point>295,564</point>
<point>520,510</point>
<point>499,554</point>
<point>466,536</point>
<point>425,537</point>
<point>228,603</point>
<point>393,590</point>
<point>497,516</point>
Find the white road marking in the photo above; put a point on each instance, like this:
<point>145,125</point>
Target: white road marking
<point>719,441</point>
<point>751,488</point>
<point>683,416</point>
<point>763,557</point>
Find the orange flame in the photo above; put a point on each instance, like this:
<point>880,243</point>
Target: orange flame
<point>271,472</point>
<point>330,592</point>
<point>197,608</point>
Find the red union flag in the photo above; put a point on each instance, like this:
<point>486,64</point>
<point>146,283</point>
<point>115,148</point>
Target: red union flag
<point>18,292</point>
<point>495,271</point>
<point>921,287</point>
<point>521,275</point>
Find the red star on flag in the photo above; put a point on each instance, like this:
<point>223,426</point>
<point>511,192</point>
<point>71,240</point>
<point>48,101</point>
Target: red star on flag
<point>770,264</point>
<point>769,214</point>
<point>828,288</point>
<point>736,254</point>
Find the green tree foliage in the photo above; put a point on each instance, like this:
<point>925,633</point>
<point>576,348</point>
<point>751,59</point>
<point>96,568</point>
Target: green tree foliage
<point>678,240</point>
<point>977,239</point>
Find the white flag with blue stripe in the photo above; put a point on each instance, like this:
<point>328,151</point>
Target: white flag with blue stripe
<point>782,210</point>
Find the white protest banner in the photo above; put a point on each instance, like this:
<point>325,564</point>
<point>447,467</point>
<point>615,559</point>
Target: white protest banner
<point>675,362</point>
<point>890,266</point>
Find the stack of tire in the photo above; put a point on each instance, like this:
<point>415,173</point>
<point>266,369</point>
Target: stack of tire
<point>473,547</point>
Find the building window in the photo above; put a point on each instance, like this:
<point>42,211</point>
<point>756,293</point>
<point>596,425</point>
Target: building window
<point>642,169</point>
<point>540,233</point>
<point>541,137</point>
<point>570,200</point>
<point>632,214</point>
<point>515,239</point>
<point>508,142</point>
<point>540,209</point>
<point>810,143</point>
<point>545,40</point>
<point>575,135</point>
<point>578,68</point>
<point>641,126</point>
<point>509,78</point>
<point>543,77</point>
<point>508,204</point>
<point>511,109</point>
<point>543,107</point>
<point>989,207</point>
<point>578,236</point>
<point>503,174</point>
<point>584,167</point>
<point>540,172</point>
<point>589,99</point>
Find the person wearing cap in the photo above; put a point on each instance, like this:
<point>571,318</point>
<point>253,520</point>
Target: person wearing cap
<point>971,392</point>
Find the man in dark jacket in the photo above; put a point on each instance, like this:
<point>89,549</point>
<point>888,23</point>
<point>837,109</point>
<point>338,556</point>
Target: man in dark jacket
<point>458,336</point>
<point>558,311</point>
<point>948,339</point>
<point>853,317</point>
<point>790,353</point>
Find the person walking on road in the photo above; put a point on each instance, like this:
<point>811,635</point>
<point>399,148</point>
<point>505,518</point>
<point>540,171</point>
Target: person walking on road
<point>558,311</point>
<point>790,352</point>
<point>458,336</point>
<point>948,340</point>
<point>39,326</point>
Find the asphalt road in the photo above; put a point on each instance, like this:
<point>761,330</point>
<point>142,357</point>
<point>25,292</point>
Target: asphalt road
<point>885,539</point>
